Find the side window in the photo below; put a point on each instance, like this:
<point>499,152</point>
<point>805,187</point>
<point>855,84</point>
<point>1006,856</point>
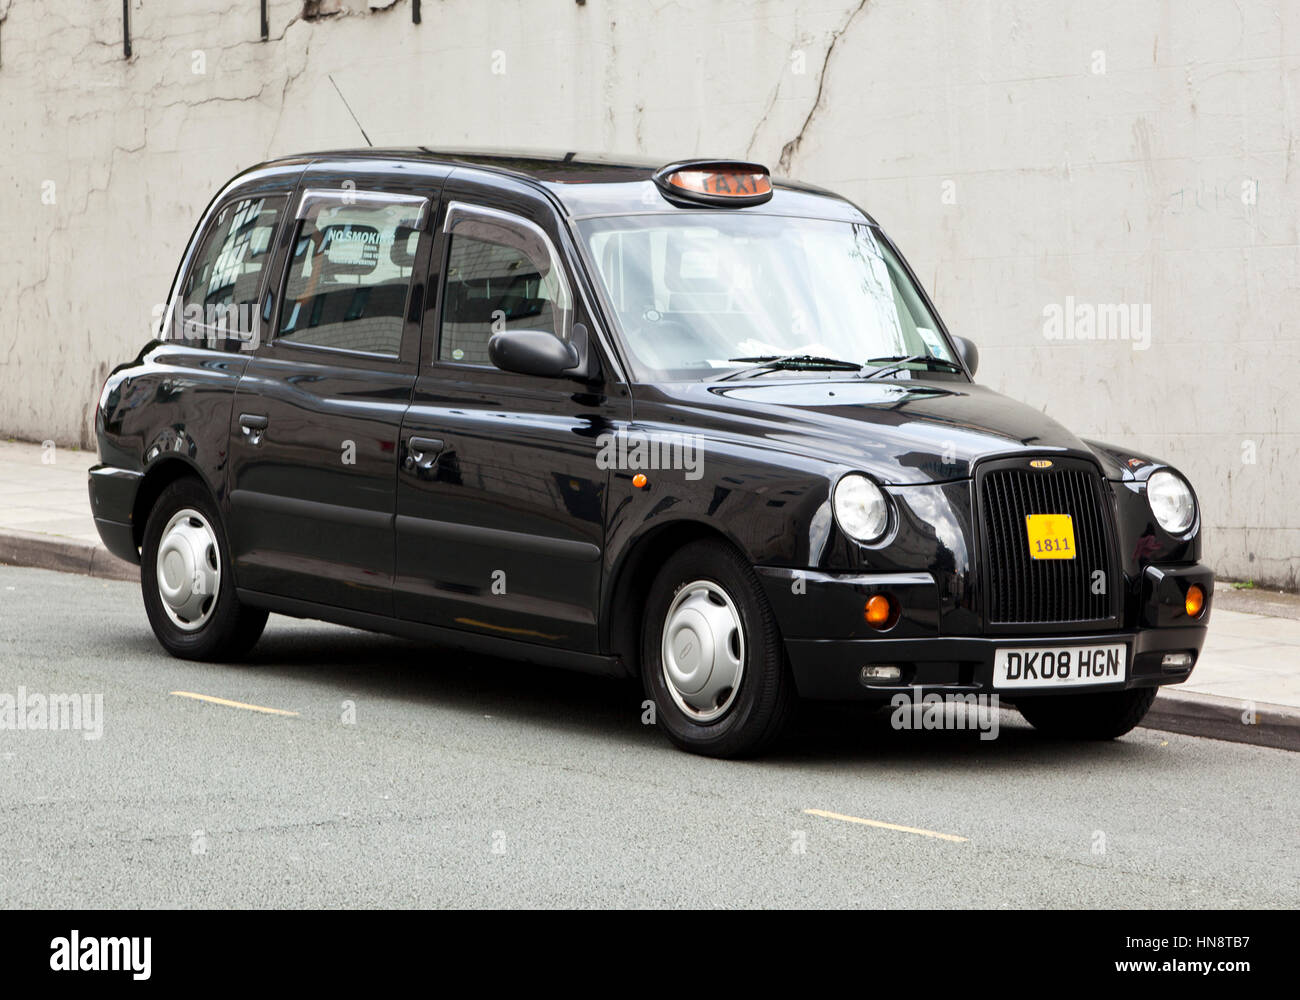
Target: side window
<point>219,296</point>
<point>498,278</point>
<point>349,277</point>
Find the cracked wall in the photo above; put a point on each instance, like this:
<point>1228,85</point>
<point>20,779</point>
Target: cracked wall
<point>1025,155</point>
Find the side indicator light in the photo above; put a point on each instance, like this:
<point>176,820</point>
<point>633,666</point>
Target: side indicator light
<point>640,481</point>
<point>1195,602</point>
<point>880,611</point>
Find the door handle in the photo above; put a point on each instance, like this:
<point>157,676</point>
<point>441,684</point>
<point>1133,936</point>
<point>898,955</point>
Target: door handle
<point>253,426</point>
<point>422,452</point>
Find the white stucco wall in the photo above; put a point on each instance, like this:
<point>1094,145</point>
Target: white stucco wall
<point>1024,154</point>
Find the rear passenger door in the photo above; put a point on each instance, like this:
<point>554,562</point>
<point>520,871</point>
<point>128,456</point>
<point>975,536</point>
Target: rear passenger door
<point>314,428</point>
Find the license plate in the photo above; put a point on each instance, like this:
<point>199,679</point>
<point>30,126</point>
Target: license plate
<point>1059,666</point>
<point>1051,536</point>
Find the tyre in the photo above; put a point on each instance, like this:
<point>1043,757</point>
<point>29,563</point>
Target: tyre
<point>712,658</point>
<point>189,591</point>
<point>1102,716</point>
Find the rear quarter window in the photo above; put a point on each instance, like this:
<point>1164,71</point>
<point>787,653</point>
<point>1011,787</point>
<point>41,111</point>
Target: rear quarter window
<point>220,292</point>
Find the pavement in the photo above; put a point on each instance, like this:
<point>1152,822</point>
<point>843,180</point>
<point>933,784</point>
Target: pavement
<point>45,518</point>
<point>1245,688</point>
<point>339,769</point>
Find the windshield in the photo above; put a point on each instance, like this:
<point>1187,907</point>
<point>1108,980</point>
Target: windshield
<point>701,295</point>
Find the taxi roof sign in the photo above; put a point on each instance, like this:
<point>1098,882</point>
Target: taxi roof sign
<point>715,182</point>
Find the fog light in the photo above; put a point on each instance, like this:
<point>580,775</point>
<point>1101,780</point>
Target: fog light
<point>880,611</point>
<point>1195,602</point>
<point>871,675</point>
<point>1176,661</point>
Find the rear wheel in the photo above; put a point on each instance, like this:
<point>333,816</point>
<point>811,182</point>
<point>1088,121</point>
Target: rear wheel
<point>1101,716</point>
<point>189,592</point>
<point>711,653</point>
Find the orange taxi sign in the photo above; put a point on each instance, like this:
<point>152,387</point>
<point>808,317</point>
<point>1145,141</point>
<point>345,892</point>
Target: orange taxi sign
<point>715,182</point>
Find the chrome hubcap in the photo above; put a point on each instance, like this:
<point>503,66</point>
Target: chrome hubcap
<point>703,650</point>
<point>189,569</point>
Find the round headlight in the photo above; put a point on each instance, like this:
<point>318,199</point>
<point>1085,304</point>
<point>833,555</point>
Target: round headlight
<point>1171,501</point>
<point>860,508</point>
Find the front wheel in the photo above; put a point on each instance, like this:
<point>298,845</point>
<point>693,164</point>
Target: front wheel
<point>712,658</point>
<point>189,591</point>
<point>1101,716</point>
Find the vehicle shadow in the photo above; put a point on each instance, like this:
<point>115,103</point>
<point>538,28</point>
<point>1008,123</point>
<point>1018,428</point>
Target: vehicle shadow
<point>371,664</point>
<point>566,702</point>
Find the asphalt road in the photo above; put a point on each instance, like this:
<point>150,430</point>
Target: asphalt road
<point>472,782</point>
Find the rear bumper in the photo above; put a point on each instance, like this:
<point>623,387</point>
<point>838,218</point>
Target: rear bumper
<point>830,666</point>
<point>112,499</point>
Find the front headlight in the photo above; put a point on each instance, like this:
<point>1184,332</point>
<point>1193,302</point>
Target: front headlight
<point>1171,501</point>
<point>860,508</point>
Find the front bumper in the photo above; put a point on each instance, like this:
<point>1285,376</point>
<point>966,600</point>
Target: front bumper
<point>828,643</point>
<point>832,668</point>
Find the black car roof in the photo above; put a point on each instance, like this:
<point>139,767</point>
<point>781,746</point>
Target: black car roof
<point>591,183</point>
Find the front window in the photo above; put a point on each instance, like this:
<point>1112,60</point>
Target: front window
<point>502,274</point>
<point>492,287</point>
<point>700,295</point>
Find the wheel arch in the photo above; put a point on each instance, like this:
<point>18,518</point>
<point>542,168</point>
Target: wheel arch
<point>157,478</point>
<point>635,572</point>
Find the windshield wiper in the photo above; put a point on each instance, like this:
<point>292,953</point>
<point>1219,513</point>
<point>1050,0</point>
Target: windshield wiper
<point>896,363</point>
<point>791,362</point>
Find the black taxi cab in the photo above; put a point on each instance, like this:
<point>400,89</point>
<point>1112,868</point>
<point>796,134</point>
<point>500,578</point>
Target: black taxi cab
<point>683,423</point>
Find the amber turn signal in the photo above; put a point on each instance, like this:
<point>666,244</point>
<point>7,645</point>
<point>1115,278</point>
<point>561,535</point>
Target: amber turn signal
<point>1195,602</point>
<point>640,481</point>
<point>879,611</point>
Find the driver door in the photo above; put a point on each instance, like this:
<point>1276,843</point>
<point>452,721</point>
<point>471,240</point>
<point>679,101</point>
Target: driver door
<point>500,500</point>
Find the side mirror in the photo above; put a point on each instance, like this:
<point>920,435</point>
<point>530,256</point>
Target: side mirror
<point>540,352</point>
<point>970,354</point>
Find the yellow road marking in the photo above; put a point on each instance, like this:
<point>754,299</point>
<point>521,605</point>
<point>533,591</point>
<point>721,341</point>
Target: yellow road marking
<point>231,704</point>
<point>887,826</point>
